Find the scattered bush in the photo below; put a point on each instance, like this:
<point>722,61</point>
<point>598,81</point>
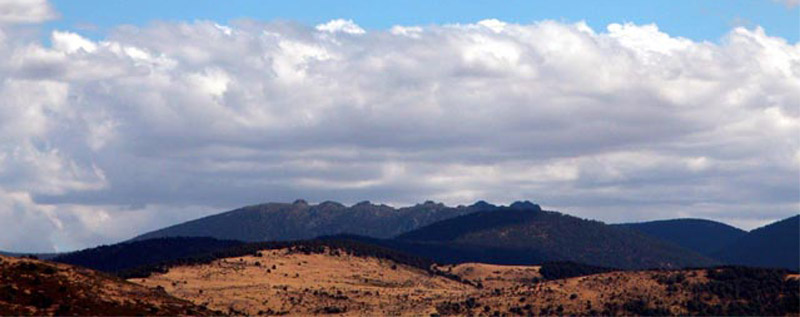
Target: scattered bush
<point>560,270</point>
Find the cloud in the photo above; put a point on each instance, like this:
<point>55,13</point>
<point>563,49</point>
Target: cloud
<point>341,25</point>
<point>25,11</point>
<point>100,140</point>
<point>788,3</point>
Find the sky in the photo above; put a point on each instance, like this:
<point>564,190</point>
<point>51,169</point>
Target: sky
<point>120,117</point>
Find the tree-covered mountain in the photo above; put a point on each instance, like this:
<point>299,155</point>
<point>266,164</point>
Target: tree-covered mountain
<point>774,245</point>
<point>524,234</point>
<point>300,220</point>
<point>702,236</point>
<point>128,255</point>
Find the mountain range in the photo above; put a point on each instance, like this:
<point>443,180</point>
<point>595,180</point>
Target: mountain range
<point>520,233</point>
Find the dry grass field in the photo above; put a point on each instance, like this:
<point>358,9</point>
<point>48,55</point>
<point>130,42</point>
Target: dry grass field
<point>282,282</point>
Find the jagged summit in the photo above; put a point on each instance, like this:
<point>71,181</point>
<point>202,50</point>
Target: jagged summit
<point>303,220</point>
<point>482,204</point>
<point>331,204</point>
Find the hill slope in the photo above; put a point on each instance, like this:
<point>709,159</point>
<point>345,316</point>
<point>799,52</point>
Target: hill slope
<point>702,236</point>
<point>524,234</point>
<point>774,245</point>
<point>33,287</point>
<point>300,220</point>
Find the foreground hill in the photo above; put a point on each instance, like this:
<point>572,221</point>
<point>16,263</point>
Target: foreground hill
<point>288,281</point>
<point>303,280</point>
<point>524,234</point>
<point>300,220</point>
<point>702,236</point>
<point>774,245</point>
<point>33,287</point>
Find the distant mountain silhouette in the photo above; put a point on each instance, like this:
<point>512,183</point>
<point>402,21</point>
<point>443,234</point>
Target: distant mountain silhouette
<point>300,220</point>
<point>521,233</point>
<point>40,256</point>
<point>774,245</point>
<point>128,255</point>
<point>702,236</point>
<point>524,234</point>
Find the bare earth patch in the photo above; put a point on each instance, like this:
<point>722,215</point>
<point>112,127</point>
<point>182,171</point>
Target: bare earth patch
<point>493,275</point>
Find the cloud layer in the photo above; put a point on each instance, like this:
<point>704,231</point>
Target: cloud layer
<point>25,11</point>
<point>100,140</point>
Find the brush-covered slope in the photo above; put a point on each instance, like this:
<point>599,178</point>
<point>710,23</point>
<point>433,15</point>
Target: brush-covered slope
<point>33,287</point>
<point>774,245</point>
<point>300,220</point>
<point>702,236</point>
<point>524,234</point>
<point>124,256</point>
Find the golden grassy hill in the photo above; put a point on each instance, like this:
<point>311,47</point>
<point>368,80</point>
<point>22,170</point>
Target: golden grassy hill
<point>284,281</point>
<point>33,287</point>
<point>280,281</point>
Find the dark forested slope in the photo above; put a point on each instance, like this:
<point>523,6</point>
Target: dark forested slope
<point>774,245</point>
<point>702,236</point>
<point>523,233</point>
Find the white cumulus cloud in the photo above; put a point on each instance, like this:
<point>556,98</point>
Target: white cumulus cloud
<point>341,25</point>
<point>102,139</point>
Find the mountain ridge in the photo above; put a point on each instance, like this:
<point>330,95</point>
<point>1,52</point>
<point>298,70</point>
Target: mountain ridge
<point>301,220</point>
<point>518,233</point>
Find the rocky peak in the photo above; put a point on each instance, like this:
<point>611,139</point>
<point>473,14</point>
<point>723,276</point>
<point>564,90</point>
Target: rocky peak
<point>525,205</point>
